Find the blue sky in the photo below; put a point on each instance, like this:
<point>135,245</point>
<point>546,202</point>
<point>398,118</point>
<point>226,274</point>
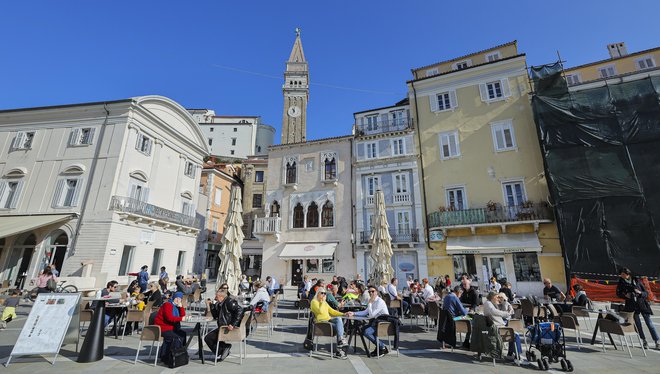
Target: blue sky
<point>229,56</point>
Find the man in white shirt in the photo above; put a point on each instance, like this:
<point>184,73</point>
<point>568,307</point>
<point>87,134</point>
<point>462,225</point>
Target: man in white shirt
<point>375,308</point>
<point>427,291</point>
<point>394,295</point>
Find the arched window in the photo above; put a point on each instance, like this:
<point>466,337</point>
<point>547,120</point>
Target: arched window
<point>291,172</point>
<point>313,215</point>
<point>275,209</point>
<point>327,216</point>
<point>330,169</point>
<point>298,217</point>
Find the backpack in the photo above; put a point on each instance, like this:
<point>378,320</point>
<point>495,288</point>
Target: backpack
<point>175,353</point>
<point>51,284</point>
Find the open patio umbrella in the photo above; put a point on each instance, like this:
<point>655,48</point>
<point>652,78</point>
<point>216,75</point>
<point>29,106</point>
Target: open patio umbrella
<point>381,244</point>
<point>232,240</point>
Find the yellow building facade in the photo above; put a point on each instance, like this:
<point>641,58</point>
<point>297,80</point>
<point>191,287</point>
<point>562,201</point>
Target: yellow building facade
<point>485,191</point>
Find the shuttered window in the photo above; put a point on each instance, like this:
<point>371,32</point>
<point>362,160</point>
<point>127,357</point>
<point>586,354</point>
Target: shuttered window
<point>503,136</point>
<point>144,144</point>
<point>23,140</point>
<point>495,90</point>
<point>10,192</point>
<point>81,136</point>
<point>67,192</point>
<point>443,101</point>
<point>449,147</point>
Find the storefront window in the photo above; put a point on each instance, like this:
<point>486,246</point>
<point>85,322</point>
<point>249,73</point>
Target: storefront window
<point>527,268</point>
<point>464,264</point>
<point>312,266</point>
<point>329,265</point>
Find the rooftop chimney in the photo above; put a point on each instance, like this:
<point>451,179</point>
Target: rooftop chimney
<point>617,49</point>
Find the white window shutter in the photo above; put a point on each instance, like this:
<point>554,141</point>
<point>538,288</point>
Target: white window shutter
<point>17,195</point>
<point>453,100</point>
<point>145,195</point>
<point>483,90</point>
<point>76,192</point>
<point>18,140</point>
<point>90,138</point>
<point>506,90</point>
<point>138,141</point>
<point>383,119</point>
<point>3,187</point>
<point>407,114</point>
<point>149,143</point>
<point>73,136</point>
<point>434,102</point>
<point>58,192</point>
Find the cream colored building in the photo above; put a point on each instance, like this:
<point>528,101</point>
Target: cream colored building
<point>620,63</point>
<point>308,223</point>
<point>254,173</point>
<point>482,171</point>
<point>99,189</point>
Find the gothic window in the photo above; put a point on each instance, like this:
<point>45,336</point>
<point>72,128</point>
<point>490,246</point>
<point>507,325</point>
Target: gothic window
<point>275,209</point>
<point>327,217</point>
<point>291,173</point>
<point>313,215</point>
<point>298,217</point>
<point>330,169</point>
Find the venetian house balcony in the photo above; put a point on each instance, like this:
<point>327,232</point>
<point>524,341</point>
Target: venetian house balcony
<point>267,226</point>
<point>397,198</point>
<point>409,236</point>
<point>384,126</point>
<point>141,212</point>
<point>492,215</point>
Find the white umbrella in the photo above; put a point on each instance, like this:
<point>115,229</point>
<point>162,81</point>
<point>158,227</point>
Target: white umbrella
<point>232,240</point>
<point>381,244</point>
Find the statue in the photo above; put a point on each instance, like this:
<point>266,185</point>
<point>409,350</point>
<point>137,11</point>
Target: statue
<point>298,30</point>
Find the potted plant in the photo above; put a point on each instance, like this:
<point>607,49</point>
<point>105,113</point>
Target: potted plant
<point>491,206</point>
<point>527,204</point>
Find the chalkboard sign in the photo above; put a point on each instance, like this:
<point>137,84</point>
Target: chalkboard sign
<point>48,325</point>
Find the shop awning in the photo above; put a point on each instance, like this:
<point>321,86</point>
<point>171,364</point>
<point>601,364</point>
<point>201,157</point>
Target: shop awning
<point>14,225</point>
<point>293,251</point>
<point>493,244</point>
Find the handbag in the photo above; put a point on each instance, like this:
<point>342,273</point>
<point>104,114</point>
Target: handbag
<point>308,344</point>
<point>51,284</point>
<point>178,357</point>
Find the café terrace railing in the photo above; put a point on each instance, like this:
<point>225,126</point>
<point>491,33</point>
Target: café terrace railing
<point>133,206</point>
<point>495,214</point>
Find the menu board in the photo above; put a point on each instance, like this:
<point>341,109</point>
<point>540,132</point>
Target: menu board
<point>47,324</point>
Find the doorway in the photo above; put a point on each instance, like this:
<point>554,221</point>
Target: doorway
<point>494,266</point>
<point>296,272</point>
<point>56,251</point>
<point>19,261</point>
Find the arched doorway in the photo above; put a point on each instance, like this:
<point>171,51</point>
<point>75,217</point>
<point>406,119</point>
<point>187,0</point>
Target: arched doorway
<point>55,252</point>
<point>20,258</point>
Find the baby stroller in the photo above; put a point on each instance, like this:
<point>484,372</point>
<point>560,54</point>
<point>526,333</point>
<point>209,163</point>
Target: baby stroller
<point>547,338</point>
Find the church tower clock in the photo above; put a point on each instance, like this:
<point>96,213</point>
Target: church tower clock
<point>296,95</point>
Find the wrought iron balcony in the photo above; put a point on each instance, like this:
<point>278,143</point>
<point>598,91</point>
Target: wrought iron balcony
<point>398,236</point>
<point>140,208</point>
<point>267,225</point>
<point>390,125</point>
<point>492,215</point>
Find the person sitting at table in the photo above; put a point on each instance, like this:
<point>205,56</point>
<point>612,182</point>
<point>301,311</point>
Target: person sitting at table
<point>503,303</point>
<point>500,318</point>
<point>494,285</point>
<point>452,303</point>
<point>229,314</point>
<point>506,289</point>
<point>394,295</point>
<point>580,298</point>
<point>364,293</point>
<point>551,292</point>
<point>105,294</point>
<point>333,298</point>
<point>324,313</point>
<point>470,296</point>
<point>375,308</point>
<point>320,283</point>
<point>154,295</point>
<point>169,317</point>
<point>244,285</point>
<point>351,292</point>
<point>427,290</point>
<point>261,296</point>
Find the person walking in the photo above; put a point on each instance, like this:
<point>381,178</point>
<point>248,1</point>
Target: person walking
<point>632,291</point>
<point>143,278</point>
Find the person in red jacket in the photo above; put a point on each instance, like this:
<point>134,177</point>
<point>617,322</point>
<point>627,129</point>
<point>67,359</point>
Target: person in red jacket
<point>169,318</point>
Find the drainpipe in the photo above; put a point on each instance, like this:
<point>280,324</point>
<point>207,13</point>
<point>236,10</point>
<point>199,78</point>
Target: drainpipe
<point>421,160</point>
<point>90,180</point>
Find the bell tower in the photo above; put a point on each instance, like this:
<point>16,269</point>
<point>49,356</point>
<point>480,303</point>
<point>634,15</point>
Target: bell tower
<point>296,95</point>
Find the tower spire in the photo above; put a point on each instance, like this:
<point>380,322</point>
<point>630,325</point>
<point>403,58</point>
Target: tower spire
<point>296,94</point>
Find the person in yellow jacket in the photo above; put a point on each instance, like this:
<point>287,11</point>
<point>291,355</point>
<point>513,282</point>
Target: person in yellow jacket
<point>323,312</point>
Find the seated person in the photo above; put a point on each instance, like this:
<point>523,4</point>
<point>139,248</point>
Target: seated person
<point>334,300</point>
<point>364,294</point>
<point>503,303</point>
<point>499,318</point>
<point>229,314</point>
<point>169,319</point>
<point>470,296</point>
<point>324,313</point>
<point>580,298</point>
<point>506,289</point>
<point>551,292</point>
<point>375,308</point>
<point>105,294</point>
<point>153,294</point>
<point>427,290</point>
<point>394,295</point>
<point>452,304</point>
<point>494,285</point>
<point>351,292</point>
<point>261,296</point>
<point>9,312</point>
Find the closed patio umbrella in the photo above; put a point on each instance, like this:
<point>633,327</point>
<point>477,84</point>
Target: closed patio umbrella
<point>232,240</point>
<point>381,244</point>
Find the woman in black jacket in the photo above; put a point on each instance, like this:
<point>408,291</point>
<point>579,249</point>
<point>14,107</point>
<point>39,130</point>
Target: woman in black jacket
<point>153,294</point>
<point>632,291</point>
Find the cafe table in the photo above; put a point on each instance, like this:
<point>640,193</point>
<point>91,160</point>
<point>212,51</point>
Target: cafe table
<point>118,311</point>
<point>355,325</point>
<point>601,316</point>
<point>201,329</point>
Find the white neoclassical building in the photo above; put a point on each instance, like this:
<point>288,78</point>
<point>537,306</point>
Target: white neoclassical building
<point>98,189</point>
<point>308,224</point>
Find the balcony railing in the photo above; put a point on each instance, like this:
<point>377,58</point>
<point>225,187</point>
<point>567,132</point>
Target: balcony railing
<point>381,126</point>
<point>491,215</point>
<point>398,236</point>
<point>402,197</point>
<point>133,206</point>
<point>267,225</point>
<point>397,198</point>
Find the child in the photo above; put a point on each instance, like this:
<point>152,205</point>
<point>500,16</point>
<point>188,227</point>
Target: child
<point>10,309</point>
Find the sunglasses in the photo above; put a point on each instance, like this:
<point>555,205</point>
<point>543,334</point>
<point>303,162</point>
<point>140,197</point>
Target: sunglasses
<point>322,293</point>
<point>372,291</point>
<point>224,288</point>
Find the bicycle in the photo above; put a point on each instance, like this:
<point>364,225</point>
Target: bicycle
<point>60,288</point>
